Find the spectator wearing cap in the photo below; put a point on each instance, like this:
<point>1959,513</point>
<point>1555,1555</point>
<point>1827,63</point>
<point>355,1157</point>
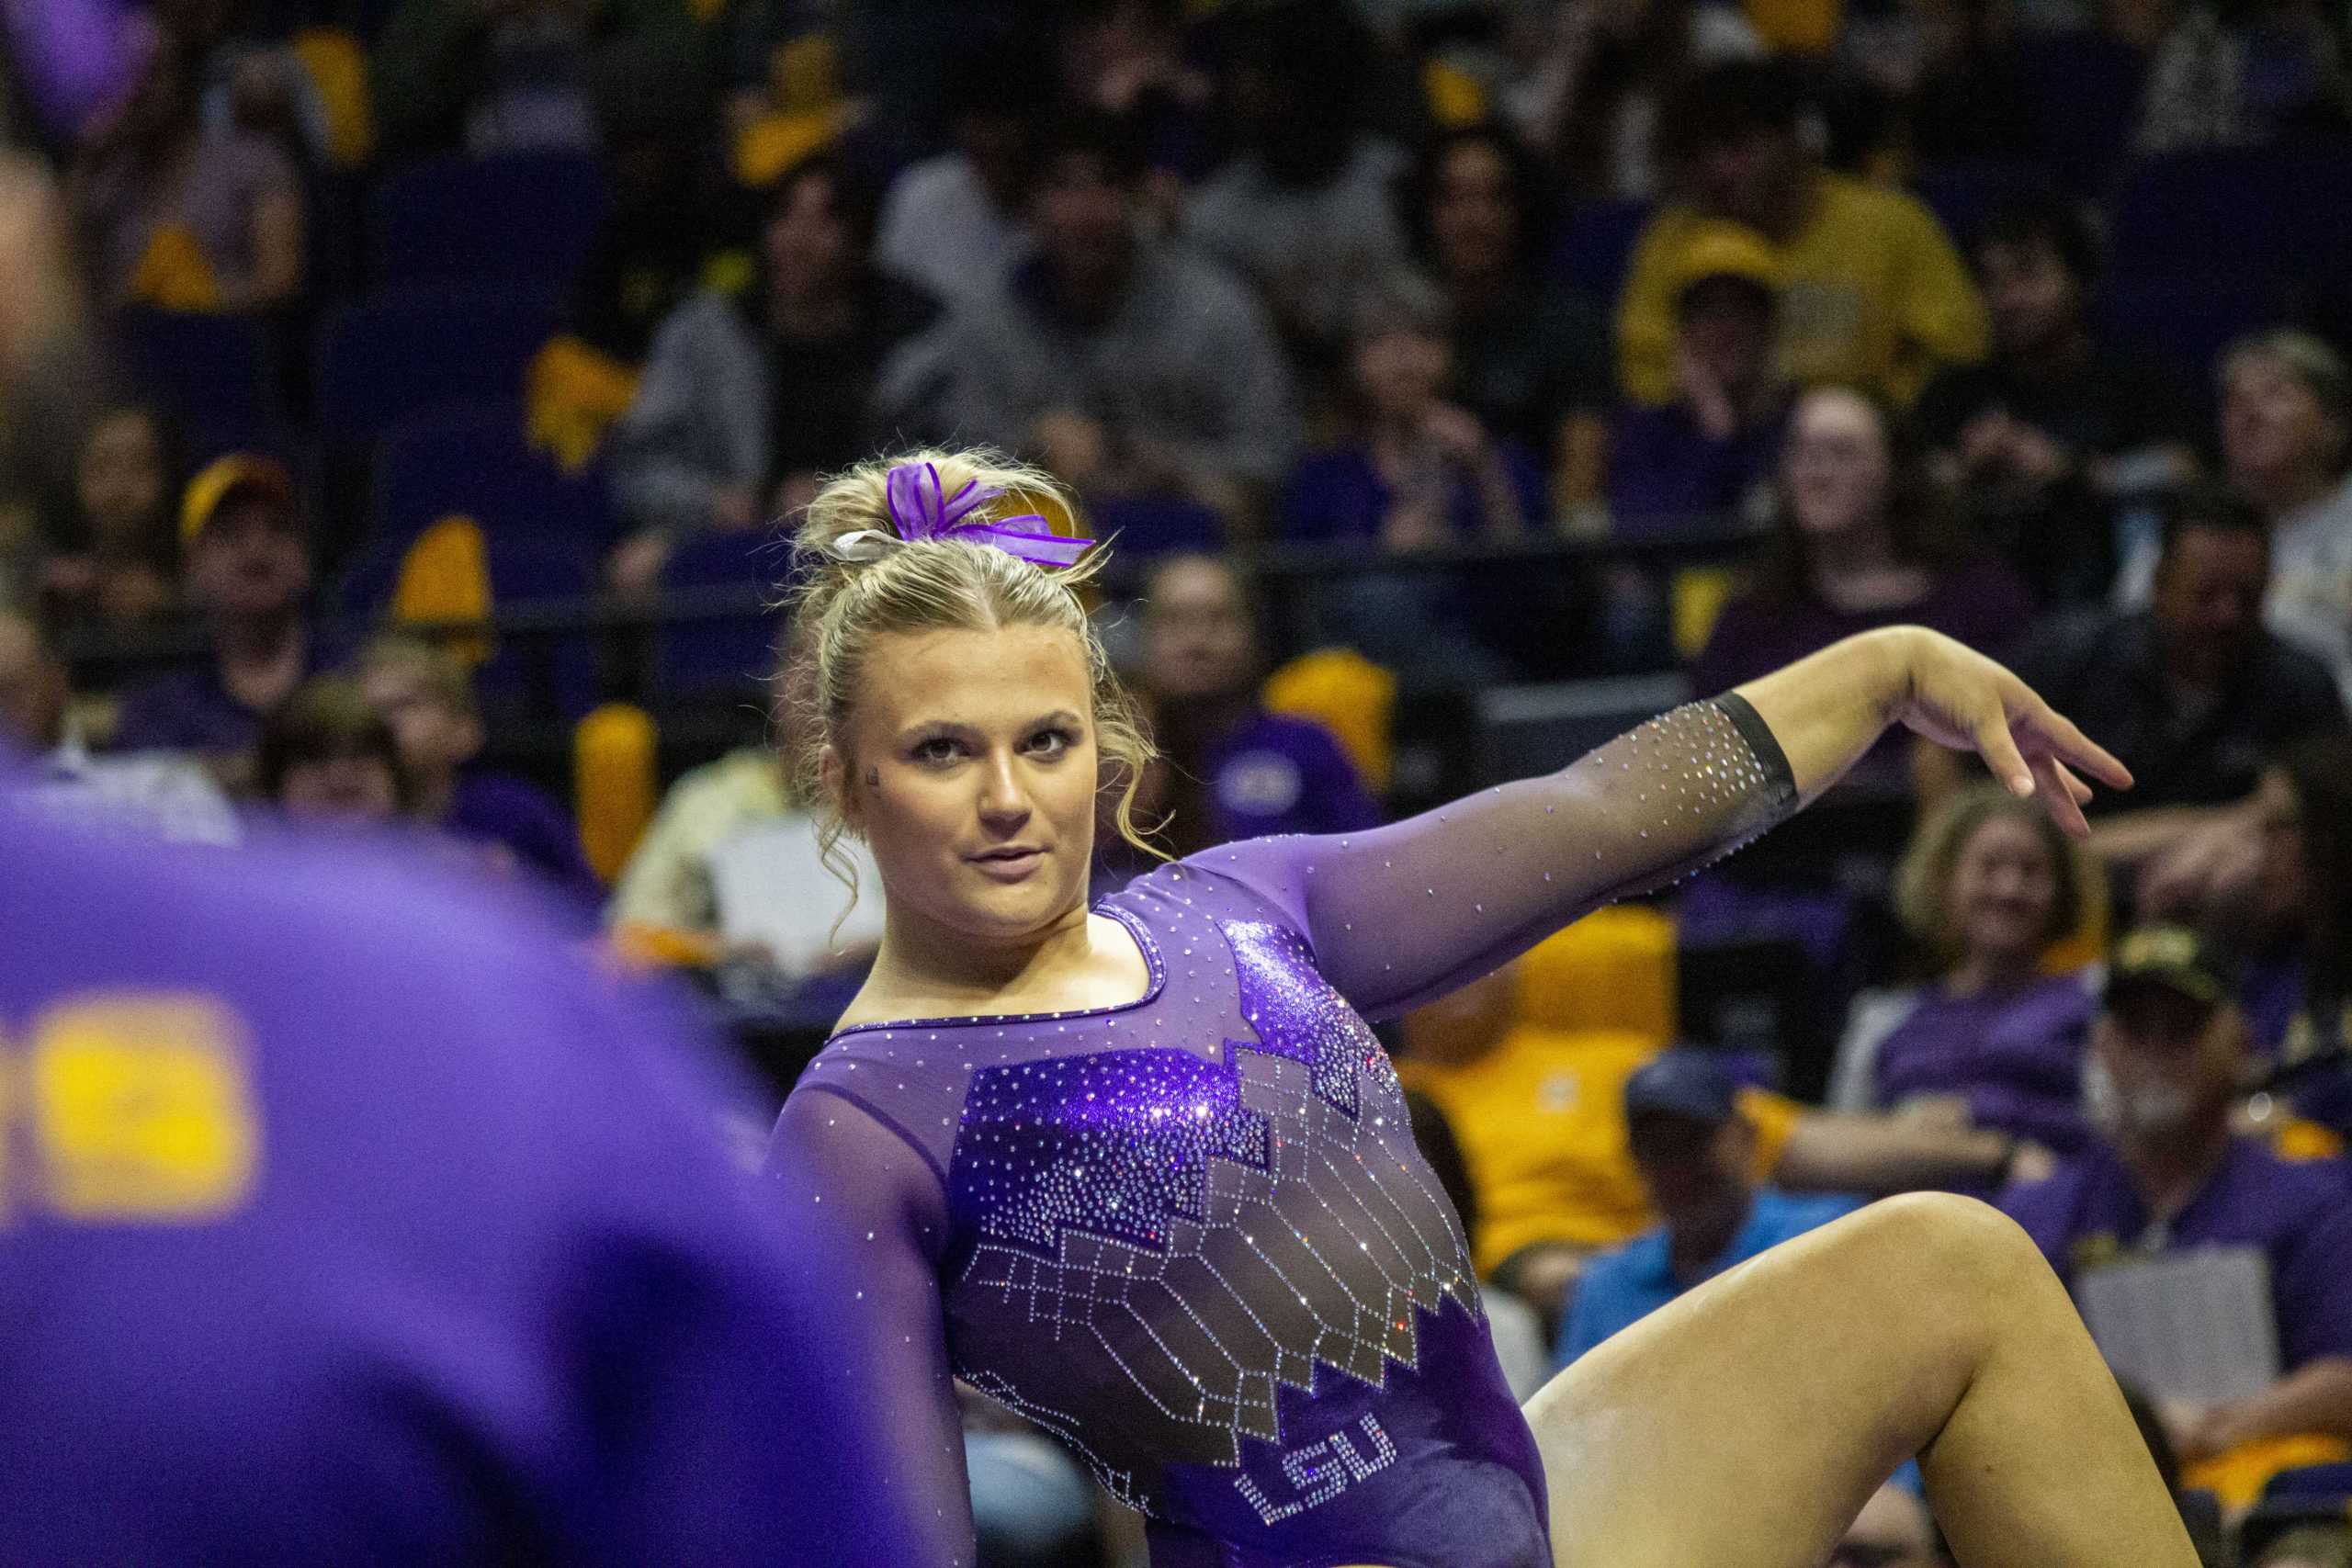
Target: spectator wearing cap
<point>1540,1114</point>
<point>2192,693</point>
<point>1129,366</point>
<point>2044,437</point>
<point>1708,453</point>
<point>2167,1175</point>
<point>1873,294</point>
<point>1696,1155</point>
<point>2276,875</point>
<point>425,696</point>
<point>1532,358</point>
<point>1228,769</point>
<point>166,795</point>
<point>745,400</point>
<point>246,546</point>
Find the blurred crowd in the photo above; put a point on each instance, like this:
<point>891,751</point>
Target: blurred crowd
<point>1461,380</point>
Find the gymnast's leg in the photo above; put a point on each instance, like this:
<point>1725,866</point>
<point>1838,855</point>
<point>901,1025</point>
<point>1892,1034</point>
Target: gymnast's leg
<point>1745,1425</point>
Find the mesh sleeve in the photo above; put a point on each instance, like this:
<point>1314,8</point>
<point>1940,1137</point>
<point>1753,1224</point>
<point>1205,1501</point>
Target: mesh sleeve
<point>1410,911</point>
<point>880,1445</point>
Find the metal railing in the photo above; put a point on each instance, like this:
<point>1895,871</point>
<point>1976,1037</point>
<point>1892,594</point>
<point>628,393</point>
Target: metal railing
<point>627,631</point>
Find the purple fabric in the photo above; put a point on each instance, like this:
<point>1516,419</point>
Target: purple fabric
<point>192,711</point>
<point>1278,774</point>
<point>1190,1236</point>
<point>921,508</point>
<point>2298,1213</point>
<point>78,59</point>
<point>1663,469</point>
<point>493,1291</point>
<point>494,808</point>
<point>1982,602</point>
<point>1339,495</point>
<point>2270,993</point>
<point>2015,1056</point>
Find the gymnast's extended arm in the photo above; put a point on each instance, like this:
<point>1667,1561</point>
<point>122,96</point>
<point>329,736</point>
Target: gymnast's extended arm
<point>1409,911</point>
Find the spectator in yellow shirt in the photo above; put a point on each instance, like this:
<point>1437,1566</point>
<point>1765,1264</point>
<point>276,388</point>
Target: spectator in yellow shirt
<point>1540,1117</point>
<point>1873,293</point>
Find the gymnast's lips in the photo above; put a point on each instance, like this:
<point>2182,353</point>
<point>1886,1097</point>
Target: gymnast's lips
<point>1008,862</point>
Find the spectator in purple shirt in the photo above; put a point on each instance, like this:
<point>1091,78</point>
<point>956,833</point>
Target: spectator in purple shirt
<point>248,554</point>
<point>1708,454</point>
<point>1992,1040</point>
<point>2168,1176</point>
<point>1229,769</point>
<point>427,698</point>
<point>1862,543</point>
<point>394,1234</point>
<point>1415,472</point>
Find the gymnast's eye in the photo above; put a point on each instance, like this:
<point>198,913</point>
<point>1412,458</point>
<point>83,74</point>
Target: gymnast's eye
<point>1051,742</point>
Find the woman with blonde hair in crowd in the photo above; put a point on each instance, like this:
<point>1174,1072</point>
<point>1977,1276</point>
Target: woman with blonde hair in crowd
<point>1141,1171</point>
<point>1988,885</point>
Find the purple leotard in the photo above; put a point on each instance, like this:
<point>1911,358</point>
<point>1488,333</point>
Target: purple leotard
<point>1191,1235</point>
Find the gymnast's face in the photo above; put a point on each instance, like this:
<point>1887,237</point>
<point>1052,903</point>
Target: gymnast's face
<point>969,767</point>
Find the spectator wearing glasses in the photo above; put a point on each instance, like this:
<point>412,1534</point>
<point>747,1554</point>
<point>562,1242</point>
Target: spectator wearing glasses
<point>2286,427</point>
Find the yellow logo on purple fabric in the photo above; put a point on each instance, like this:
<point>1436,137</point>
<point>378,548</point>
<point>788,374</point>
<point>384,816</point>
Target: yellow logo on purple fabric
<point>138,1107</point>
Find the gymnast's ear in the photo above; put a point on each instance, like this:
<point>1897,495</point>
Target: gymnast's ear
<point>832,772</point>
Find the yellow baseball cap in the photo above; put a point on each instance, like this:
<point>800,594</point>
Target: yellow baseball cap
<point>1723,248</point>
<point>225,477</point>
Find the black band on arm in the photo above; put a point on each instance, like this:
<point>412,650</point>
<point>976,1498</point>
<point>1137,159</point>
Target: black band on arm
<point>1759,735</point>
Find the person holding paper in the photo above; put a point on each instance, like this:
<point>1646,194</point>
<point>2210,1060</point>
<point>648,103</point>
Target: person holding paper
<point>2166,1177</point>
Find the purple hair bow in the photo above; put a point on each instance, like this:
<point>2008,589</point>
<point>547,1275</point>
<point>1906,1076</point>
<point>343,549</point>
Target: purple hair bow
<point>921,509</point>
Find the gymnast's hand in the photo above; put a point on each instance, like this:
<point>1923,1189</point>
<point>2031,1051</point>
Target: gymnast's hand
<point>1829,709</point>
<point>1957,697</point>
